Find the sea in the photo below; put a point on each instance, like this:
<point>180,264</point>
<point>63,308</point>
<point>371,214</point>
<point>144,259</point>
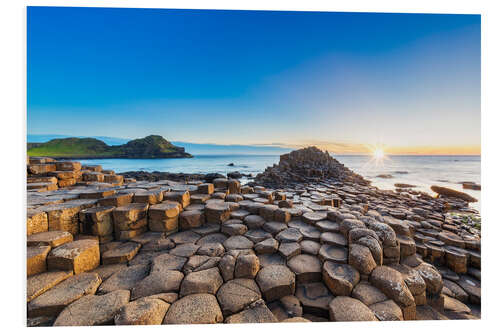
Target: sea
<point>421,171</point>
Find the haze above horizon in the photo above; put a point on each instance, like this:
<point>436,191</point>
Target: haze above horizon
<point>346,82</point>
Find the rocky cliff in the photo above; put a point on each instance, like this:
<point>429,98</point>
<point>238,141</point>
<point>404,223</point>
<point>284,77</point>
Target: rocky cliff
<point>152,146</point>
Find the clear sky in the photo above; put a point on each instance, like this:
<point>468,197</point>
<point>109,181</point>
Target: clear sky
<point>342,81</point>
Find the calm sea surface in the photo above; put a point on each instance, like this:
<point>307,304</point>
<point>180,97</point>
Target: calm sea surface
<point>422,171</point>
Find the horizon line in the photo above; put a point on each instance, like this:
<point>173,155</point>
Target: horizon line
<point>470,150</point>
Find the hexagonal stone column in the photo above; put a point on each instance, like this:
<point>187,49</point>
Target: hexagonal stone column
<point>164,217</point>
<point>36,222</point>
<point>247,266</point>
<point>340,278</point>
<point>50,238</point>
<point>217,213</point>
<point>344,308</point>
<point>207,281</point>
<point>307,268</point>
<point>93,310</point>
<point>276,281</point>
<point>97,221</point>
<point>236,294</point>
<point>78,256</point>
<point>36,259</point>
<point>53,301</point>
<point>142,312</point>
<point>194,309</point>
<point>130,220</point>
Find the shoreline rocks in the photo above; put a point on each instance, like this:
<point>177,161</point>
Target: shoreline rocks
<point>309,240</point>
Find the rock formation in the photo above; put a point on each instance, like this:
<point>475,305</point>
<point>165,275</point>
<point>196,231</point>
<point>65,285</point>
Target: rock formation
<point>316,243</point>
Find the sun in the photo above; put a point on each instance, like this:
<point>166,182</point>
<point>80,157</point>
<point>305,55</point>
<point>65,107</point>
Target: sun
<point>378,153</point>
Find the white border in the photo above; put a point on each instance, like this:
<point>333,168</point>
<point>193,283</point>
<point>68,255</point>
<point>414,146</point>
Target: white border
<point>13,111</point>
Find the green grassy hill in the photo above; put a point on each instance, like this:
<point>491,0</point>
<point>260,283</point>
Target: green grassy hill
<point>153,146</point>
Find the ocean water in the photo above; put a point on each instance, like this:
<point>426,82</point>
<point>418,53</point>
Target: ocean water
<point>421,171</point>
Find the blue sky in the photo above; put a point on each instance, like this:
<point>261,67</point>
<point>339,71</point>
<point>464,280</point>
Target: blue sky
<point>339,80</point>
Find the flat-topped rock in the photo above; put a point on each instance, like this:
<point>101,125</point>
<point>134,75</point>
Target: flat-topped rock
<point>307,268</point>
<point>148,237</point>
<point>130,212</point>
<point>218,213</point>
<point>289,235</point>
<point>314,297</point>
<point>343,308</point>
<point>78,256</point>
<point>167,261</point>
<point>368,294</point>
<point>53,301</point>
<point>93,310</point>
<point>50,238</point>
<point>124,279</point>
<point>117,200</point>
<point>142,312</point>
<point>157,283</point>
<point>247,266</point>
<point>289,250</point>
<point>238,242</point>
<point>333,238</point>
<point>36,259</point>
<point>387,311</point>
<point>185,250</point>
<point>206,228</point>
<point>183,197</point>
<point>313,217</point>
<point>275,282</point>
<point>258,312</point>
<point>254,221</point>
<point>211,249</point>
<point>234,229</point>
<point>269,245</point>
<point>190,219</point>
<point>183,237</point>
<point>194,309</point>
<point>39,283</point>
<point>105,271</point>
<point>200,263</point>
<point>212,238</point>
<point>257,235</point>
<point>121,254</point>
<point>333,253</point>
<point>235,295</point>
<point>271,259</point>
<point>202,282</point>
<point>274,227</point>
<point>340,278</point>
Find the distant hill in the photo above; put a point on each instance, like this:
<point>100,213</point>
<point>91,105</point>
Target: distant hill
<point>153,146</point>
<point>112,141</point>
<point>193,148</point>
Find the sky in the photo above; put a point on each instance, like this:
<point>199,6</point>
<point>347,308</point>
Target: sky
<point>346,82</point>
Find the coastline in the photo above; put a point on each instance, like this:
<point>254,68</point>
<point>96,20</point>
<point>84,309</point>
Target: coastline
<point>305,222</point>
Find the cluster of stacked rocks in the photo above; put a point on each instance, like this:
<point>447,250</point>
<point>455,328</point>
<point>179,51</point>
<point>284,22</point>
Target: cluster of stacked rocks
<point>47,174</point>
<point>307,165</point>
<point>200,252</point>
